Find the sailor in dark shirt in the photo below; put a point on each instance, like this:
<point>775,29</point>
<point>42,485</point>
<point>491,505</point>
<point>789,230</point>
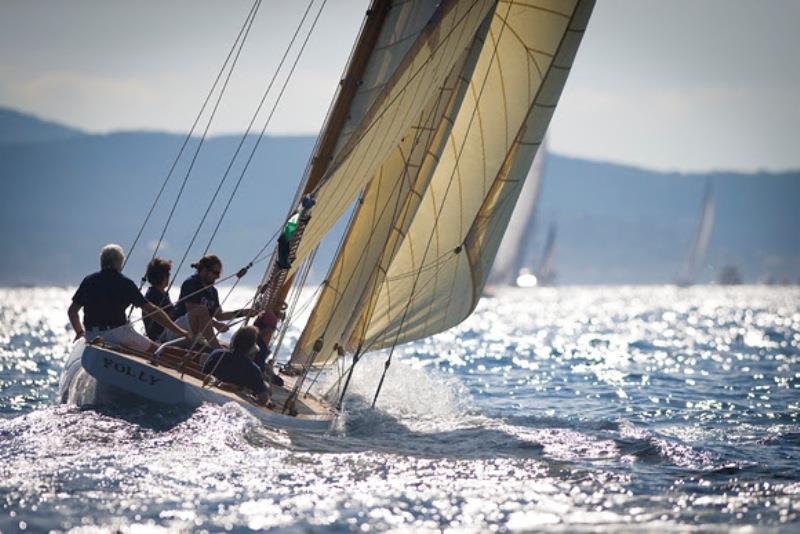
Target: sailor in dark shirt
<point>235,365</point>
<point>198,308</point>
<point>158,275</point>
<point>104,297</point>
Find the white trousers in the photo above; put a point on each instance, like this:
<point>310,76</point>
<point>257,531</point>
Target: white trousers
<point>124,335</point>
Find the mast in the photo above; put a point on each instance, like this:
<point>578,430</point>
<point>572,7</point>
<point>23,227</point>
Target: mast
<point>275,279</point>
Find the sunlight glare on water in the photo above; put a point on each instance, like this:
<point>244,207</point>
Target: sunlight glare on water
<point>548,409</point>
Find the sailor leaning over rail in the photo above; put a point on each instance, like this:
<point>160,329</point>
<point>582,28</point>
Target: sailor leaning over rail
<point>104,297</point>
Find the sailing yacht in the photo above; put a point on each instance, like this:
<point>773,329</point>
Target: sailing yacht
<point>431,134</point>
<point>511,265</point>
<point>546,273</point>
<point>697,254</point>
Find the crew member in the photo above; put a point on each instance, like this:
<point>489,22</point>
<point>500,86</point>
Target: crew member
<point>198,308</point>
<point>104,297</point>
<point>235,365</point>
<point>158,275</point>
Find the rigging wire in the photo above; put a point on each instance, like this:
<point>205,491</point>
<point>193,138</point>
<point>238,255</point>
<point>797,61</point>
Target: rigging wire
<point>191,130</point>
<point>442,40</point>
<point>263,130</point>
<point>243,140</point>
<point>205,134</point>
<point>424,125</point>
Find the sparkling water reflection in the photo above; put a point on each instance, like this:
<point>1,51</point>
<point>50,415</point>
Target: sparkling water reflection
<point>549,409</point>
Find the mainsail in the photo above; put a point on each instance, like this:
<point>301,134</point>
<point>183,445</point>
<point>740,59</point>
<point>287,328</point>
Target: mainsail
<point>441,157</point>
<point>512,256</point>
<point>697,254</point>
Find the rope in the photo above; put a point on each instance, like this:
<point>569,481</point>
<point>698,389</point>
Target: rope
<point>191,131</point>
<point>264,128</point>
<point>205,134</point>
<point>404,173</point>
<point>242,141</point>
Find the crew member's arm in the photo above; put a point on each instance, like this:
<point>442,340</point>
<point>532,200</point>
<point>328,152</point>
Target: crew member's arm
<point>227,316</point>
<point>200,323</point>
<point>261,356</point>
<point>219,326</point>
<point>159,316</point>
<point>75,320</point>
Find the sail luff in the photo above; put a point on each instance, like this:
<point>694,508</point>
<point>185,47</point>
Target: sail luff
<point>331,130</point>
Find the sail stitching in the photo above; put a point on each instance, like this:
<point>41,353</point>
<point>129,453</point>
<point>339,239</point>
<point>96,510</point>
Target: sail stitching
<point>401,96</point>
<point>436,222</point>
<point>523,126</point>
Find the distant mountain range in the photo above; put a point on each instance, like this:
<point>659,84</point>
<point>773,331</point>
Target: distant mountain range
<point>66,193</point>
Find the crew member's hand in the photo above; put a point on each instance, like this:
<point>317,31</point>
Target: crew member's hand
<point>221,327</point>
<point>185,333</point>
<point>78,335</point>
<point>248,312</point>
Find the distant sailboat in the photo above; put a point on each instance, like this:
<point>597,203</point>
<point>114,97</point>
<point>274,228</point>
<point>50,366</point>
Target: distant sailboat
<point>511,266</point>
<point>697,254</point>
<point>546,274</point>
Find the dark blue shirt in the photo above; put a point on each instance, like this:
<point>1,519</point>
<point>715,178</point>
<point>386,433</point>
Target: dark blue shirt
<point>162,300</point>
<point>236,369</point>
<point>104,296</point>
<point>207,296</point>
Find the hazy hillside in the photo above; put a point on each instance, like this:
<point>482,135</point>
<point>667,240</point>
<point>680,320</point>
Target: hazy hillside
<point>16,127</point>
<point>67,193</point>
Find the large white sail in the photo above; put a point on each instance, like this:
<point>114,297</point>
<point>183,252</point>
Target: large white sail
<point>436,278</point>
<point>383,215</point>
<point>404,83</point>
<point>513,251</point>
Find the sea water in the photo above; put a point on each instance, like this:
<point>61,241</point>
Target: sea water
<point>565,409</point>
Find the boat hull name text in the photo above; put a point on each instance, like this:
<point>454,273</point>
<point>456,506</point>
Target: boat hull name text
<point>128,370</point>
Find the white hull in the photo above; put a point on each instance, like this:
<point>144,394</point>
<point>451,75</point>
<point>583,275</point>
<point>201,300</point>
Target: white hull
<point>94,373</point>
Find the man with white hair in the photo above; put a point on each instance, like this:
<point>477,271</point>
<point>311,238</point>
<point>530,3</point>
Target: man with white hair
<point>104,297</point>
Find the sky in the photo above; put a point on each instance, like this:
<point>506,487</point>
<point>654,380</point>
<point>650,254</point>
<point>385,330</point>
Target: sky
<point>686,85</point>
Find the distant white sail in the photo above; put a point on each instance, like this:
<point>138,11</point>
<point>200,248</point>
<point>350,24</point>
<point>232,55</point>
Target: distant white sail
<point>697,254</point>
<point>513,252</point>
<point>546,273</point>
